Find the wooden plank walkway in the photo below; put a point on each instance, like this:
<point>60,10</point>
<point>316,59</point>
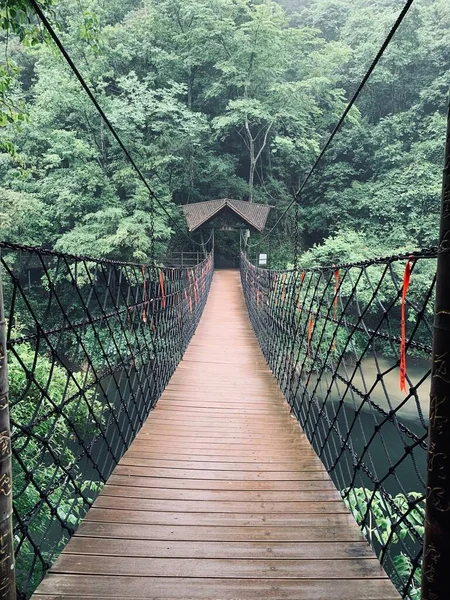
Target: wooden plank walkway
<point>220,496</point>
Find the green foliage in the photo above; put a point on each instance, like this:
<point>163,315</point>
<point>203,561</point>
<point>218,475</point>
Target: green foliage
<point>24,217</point>
<point>224,98</point>
<point>381,524</point>
<point>30,405</point>
<point>381,177</point>
<point>17,17</point>
<point>202,93</point>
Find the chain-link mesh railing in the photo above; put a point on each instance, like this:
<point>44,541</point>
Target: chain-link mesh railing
<point>91,346</point>
<point>351,349</point>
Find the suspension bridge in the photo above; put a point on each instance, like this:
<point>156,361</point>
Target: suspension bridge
<point>204,435</point>
<point>220,494</point>
<point>174,432</point>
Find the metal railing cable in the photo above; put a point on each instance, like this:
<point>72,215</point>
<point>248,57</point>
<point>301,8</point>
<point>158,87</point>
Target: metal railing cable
<point>350,346</point>
<point>91,346</point>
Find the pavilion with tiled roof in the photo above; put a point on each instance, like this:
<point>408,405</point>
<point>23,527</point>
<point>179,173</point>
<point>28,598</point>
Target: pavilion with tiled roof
<point>247,214</point>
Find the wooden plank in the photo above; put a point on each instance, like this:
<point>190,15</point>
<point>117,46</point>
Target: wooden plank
<point>109,515</point>
<point>223,507</point>
<point>206,484</point>
<point>219,550</point>
<point>238,458</point>
<point>128,491</point>
<point>173,442</point>
<point>357,568</point>
<point>216,420</point>
<point>160,422</point>
<point>307,475</point>
<point>163,426</point>
<point>303,464</point>
<point>221,444</point>
<point>336,532</point>
<point>212,431</point>
<point>220,495</point>
<point>70,587</point>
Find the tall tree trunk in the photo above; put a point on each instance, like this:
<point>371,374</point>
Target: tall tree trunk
<point>251,179</point>
<point>251,149</point>
<point>254,157</point>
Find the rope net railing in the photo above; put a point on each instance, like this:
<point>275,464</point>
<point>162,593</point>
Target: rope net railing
<point>351,348</point>
<point>91,346</point>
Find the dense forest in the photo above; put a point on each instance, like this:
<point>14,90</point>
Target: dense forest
<point>219,98</point>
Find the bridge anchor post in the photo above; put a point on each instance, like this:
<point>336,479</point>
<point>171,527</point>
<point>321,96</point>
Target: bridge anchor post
<point>436,556</point>
<point>7,575</point>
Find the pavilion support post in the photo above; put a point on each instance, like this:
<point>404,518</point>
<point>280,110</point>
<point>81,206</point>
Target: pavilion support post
<point>7,575</point>
<point>436,557</point>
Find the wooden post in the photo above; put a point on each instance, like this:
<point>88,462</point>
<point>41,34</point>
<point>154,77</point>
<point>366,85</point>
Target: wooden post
<point>436,557</point>
<point>7,576</point>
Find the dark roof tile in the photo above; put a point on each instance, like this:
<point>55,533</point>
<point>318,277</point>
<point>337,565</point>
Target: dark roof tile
<point>200,212</point>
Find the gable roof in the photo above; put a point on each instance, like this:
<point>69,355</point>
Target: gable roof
<point>199,213</point>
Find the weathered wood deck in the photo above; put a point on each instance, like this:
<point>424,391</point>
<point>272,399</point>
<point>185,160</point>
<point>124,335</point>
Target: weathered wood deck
<point>220,496</point>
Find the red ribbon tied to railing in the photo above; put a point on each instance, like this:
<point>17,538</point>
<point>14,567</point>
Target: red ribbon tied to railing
<point>163,295</point>
<point>406,280</point>
<point>310,330</point>
<point>336,292</point>
<point>144,299</point>
<point>195,290</point>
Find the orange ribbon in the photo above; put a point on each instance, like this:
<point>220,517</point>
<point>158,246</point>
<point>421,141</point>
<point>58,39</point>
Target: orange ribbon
<point>144,303</point>
<point>310,330</point>
<point>188,299</point>
<point>163,295</point>
<point>195,291</point>
<point>406,279</point>
<point>191,285</point>
<point>336,292</point>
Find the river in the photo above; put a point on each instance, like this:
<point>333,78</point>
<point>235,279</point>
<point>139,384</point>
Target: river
<point>379,441</point>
